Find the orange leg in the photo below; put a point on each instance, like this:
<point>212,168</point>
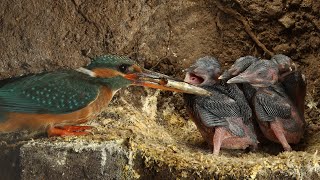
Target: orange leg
<point>75,128</point>
<point>279,133</point>
<point>53,131</point>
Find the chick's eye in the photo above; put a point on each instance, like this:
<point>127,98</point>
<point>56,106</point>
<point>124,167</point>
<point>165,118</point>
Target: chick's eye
<point>259,73</point>
<point>123,68</point>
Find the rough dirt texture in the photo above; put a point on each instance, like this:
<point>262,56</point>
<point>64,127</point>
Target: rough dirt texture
<point>167,36</point>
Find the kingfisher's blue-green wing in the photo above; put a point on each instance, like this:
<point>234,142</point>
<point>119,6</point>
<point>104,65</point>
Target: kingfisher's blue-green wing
<point>54,93</point>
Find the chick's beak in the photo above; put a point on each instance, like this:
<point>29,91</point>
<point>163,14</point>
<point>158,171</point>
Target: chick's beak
<point>239,79</point>
<point>156,80</point>
<point>253,79</point>
<point>225,75</point>
<point>293,67</point>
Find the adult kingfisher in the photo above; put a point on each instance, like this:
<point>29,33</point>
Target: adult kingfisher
<point>57,101</point>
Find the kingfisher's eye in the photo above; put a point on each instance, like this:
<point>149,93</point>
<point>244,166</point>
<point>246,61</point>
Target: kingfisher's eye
<point>124,68</point>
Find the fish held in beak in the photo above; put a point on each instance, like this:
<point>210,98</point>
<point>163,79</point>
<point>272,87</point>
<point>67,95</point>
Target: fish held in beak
<point>156,80</point>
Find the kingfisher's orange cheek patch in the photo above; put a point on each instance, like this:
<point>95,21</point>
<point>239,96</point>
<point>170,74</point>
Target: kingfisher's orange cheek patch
<point>106,73</point>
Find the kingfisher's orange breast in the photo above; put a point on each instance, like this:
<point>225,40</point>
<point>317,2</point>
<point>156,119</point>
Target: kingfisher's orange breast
<point>17,121</point>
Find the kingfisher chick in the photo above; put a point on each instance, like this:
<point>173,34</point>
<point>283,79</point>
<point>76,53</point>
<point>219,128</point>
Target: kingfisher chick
<point>277,116</point>
<point>224,118</point>
<point>285,64</point>
<point>57,101</point>
<point>293,81</point>
<point>238,67</point>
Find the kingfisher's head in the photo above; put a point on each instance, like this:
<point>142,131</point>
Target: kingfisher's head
<point>117,72</point>
<point>113,71</point>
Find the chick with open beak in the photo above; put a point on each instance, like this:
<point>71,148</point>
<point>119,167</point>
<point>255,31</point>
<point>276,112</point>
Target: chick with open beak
<point>224,118</point>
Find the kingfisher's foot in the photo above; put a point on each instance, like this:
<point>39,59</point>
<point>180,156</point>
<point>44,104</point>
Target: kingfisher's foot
<point>54,131</point>
<point>75,128</point>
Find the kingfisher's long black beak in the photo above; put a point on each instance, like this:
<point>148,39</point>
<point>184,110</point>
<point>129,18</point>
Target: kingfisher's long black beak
<point>156,80</point>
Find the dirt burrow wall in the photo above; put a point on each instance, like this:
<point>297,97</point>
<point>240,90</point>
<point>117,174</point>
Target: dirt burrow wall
<point>39,36</point>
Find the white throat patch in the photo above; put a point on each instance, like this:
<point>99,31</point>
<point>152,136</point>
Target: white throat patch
<point>86,71</point>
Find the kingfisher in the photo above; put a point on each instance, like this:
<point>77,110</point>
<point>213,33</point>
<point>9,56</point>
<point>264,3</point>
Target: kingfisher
<point>293,81</point>
<point>277,116</point>
<point>58,101</point>
<point>285,64</point>
<point>224,119</point>
<point>238,67</point>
